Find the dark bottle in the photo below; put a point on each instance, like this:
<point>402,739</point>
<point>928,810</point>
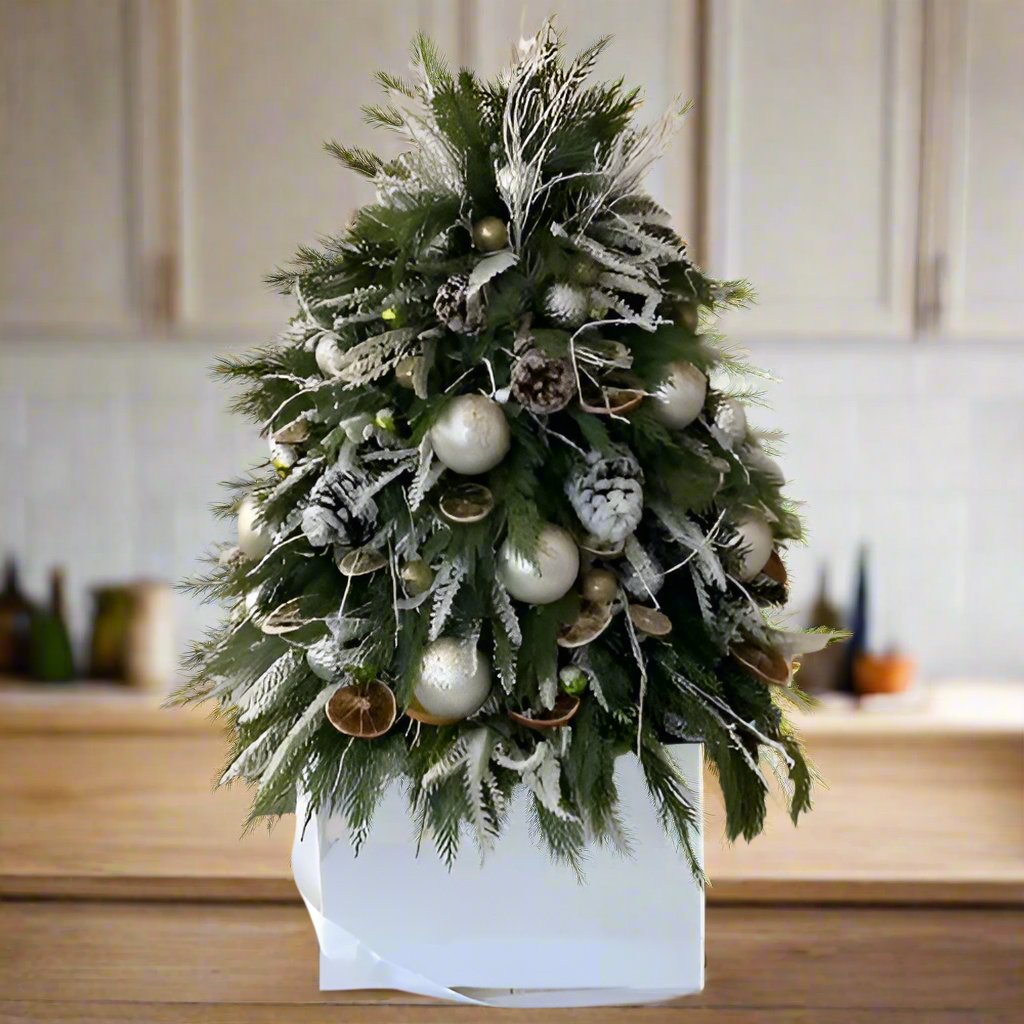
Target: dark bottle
<point>15,624</point>
<point>51,657</point>
<point>822,671</point>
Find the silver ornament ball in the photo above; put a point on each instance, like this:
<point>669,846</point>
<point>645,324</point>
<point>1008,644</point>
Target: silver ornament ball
<point>757,542</point>
<point>680,397</point>
<point>558,564</point>
<point>471,435</point>
<point>455,678</point>
<point>253,538</point>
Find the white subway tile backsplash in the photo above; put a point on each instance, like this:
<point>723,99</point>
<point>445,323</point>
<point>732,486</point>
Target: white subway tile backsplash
<point>114,452</point>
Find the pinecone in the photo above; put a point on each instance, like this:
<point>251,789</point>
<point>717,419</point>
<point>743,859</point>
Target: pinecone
<point>607,494</point>
<point>567,304</point>
<point>543,384</point>
<point>329,516</point>
<point>456,308</point>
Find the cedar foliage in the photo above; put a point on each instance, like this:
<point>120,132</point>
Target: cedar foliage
<point>560,161</point>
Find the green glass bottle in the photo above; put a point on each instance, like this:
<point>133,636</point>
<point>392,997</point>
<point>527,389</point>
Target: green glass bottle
<point>51,657</point>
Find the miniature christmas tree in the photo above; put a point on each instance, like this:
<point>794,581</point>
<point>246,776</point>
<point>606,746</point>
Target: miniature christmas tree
<point>508,530</point>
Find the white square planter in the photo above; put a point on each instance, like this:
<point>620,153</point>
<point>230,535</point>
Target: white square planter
<point>519,927</point>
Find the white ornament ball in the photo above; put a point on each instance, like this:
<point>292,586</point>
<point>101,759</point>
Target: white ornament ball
<point>328,356</point>
<point>253,539</point>
<point>731,419</point>
<point>681,395</point>
<point>757,542</point>
<point>455,678</point>
<point>471,435</point>
<point>558,565</point>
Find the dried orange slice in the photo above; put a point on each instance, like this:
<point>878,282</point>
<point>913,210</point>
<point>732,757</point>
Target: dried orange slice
<point>768,666</point>
<point>591,622</point>
<point>365,710</point>
<point>361,562</point>
<point>418,713</point>
<point>564,710</point>
<point>612,401</point>
<point>286,618</point>
<point>466,503</point>
<point>775,569</point>
<point>650,620</point>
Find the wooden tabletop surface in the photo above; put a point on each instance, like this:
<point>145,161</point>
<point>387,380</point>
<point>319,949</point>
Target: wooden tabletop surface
<point>127,894</point>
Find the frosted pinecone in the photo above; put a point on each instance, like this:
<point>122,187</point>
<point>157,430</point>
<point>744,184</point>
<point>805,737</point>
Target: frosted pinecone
<point>456,308</point>
<point>731,422</point>
<point>329,517</point>
<point>541,383</point>
<point>607,495</point>
<point>567,304</point>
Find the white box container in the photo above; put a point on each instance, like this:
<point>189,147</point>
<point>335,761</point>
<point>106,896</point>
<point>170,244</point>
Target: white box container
<point>517,930</point>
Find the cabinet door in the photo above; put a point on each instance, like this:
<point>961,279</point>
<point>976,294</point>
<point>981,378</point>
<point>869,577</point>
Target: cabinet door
<point>654,46</point>
<point>813,136</point>
<point>265,84</point>
<point>65,168</point>
<point>980,290</point>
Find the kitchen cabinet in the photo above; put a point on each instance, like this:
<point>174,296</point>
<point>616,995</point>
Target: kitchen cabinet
<point>857,161</point>
<point>67,219</point>
<point>812,148</point>
<point>264,84</point>
<point>975,261</point>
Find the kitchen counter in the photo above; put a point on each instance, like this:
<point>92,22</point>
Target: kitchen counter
<point>126,892</point>
<point>105,793</point>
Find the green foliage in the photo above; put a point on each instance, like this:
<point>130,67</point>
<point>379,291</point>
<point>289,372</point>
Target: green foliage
<point>558,159</point>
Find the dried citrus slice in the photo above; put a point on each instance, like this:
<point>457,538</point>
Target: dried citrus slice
<point>601,548</point>
<point>591,622</point>
<point>650,620</point>
<point>418,713</point>
<point>292,433</point>
<point>612,401</point>
<point>775,569</point>
<point>284,619</point>
<point>768,666</point>
<point>361,561</point>
<point>366,710</point>
<point>566,706</point>
<point>466,503</point>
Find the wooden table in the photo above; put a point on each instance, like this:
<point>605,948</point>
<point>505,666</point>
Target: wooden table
<point>125,893</point>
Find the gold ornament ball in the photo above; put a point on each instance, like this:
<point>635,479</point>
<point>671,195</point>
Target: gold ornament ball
<point>417,576</point>
<point>599,586</point>
<point>405,371</point>
<point>490,234</point>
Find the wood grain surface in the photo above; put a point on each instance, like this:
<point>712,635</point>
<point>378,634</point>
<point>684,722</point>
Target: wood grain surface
<point>125,807</point>
<point>256,962</point>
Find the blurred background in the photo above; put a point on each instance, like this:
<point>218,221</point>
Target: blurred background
<point>858,160</point>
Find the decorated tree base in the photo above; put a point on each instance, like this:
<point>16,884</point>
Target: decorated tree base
<point>393,919</point>
<point>514,542</point>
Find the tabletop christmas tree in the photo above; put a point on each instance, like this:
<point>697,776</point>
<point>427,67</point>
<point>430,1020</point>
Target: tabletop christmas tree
<point>508,531</point>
